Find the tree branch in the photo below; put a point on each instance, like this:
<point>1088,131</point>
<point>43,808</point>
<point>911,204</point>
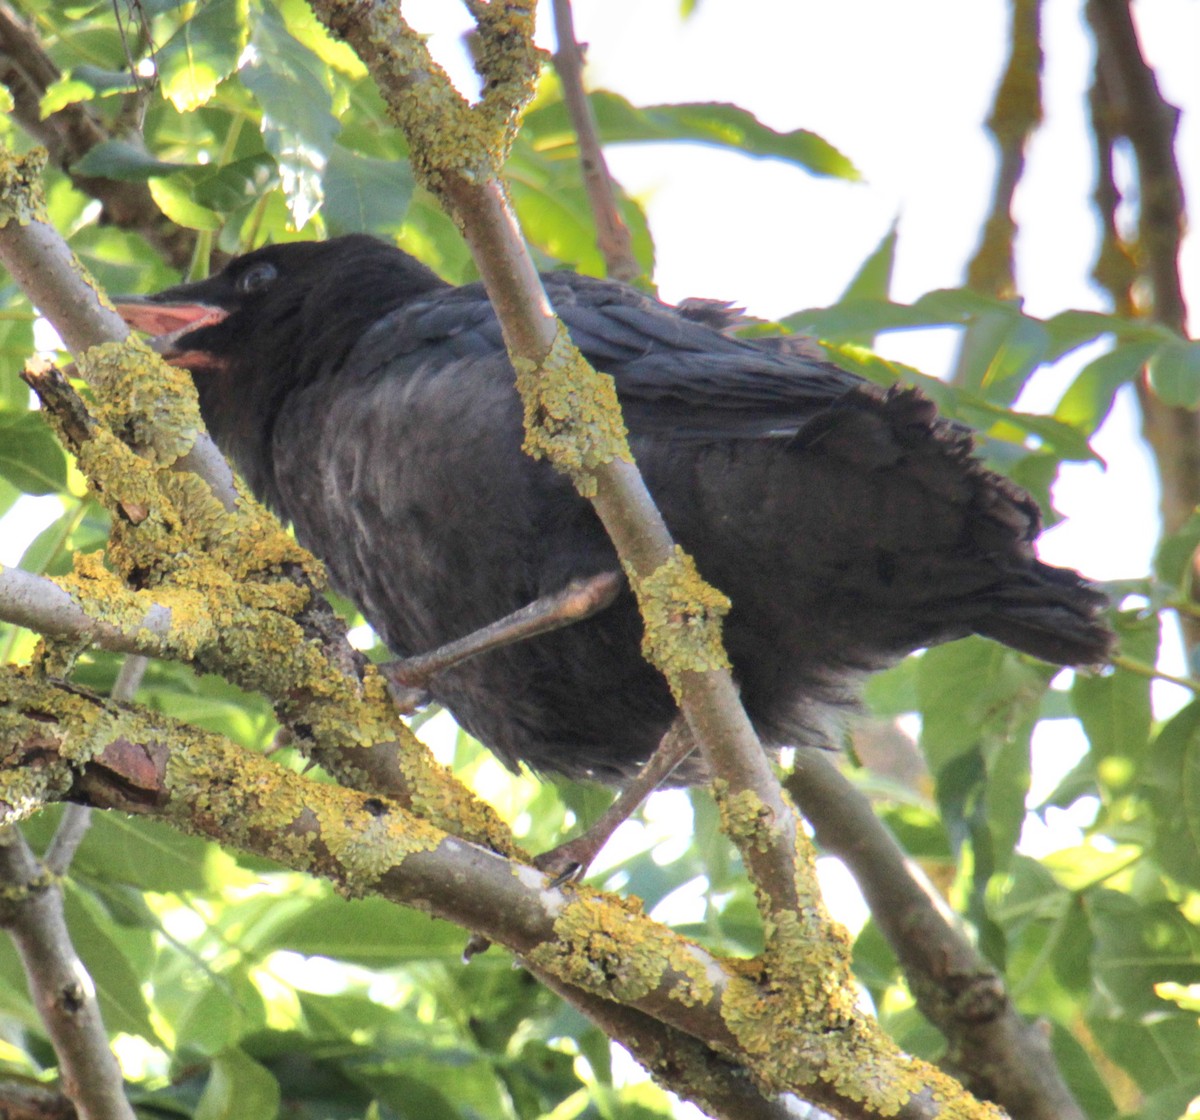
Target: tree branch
<point>31,911</point>
<point>1015,116</point>
<point>612,234</point>
<point>1126,102</point>
<point>142,762</point>
<point>998,1054</point>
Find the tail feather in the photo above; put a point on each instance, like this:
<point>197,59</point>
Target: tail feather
<point>1051,613</point>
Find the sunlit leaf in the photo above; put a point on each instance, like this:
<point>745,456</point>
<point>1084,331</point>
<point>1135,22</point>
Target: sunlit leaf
<point>298,125</point>
<point>238,1087</point>
<point>174,199</point>
<point>30,457</point>
<point>715,123</point>
<point>202,53</point>
<point>1087,401</point>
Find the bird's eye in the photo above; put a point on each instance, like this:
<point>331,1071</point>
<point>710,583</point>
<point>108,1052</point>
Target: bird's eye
<point>256,278</point>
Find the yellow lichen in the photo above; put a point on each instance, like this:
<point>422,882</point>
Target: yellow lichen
<point>149,404</point>
<point>607,946</point>
<point>682,615</point>
<point>21,197</point>
<point>572,415</point>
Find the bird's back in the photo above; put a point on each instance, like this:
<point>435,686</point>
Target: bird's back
<point>848,525</point>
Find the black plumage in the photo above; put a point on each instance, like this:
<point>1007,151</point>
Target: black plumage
<point>373,405</point>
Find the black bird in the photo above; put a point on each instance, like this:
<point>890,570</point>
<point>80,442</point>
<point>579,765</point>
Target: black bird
<point>373,405</point>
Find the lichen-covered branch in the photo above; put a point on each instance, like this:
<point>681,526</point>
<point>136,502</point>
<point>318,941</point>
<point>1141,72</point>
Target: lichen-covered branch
<point>31,909</point>
<point>999,1055</point>
<point>113,756</point>
<point>612,234</point>
<point>40,261</point>
<point>458,151</point>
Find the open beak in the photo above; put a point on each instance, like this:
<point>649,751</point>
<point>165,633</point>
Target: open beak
<point>167,323</point>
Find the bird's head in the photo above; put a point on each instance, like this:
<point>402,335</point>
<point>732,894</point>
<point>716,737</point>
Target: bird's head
<point>270,323</point>
<point>280,300</point>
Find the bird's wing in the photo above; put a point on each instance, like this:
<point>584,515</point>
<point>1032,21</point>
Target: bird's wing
<point>678,375</point>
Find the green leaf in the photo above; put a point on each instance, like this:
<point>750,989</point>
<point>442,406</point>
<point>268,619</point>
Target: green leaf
<point>722,125</point>
<point>225,189</point>
<point>369,931</point>
<point>364,195</point>
<point>1115,708</point>
<point>202,53</point>
<point>298,125</point>
<point>715,123</point>
<point>30,457</point>
<point>118,986</point>
<point>1172,790</point>
<point>999,352</point>
<point>219,1015</point>
<point>238,1087</point>
<point>1175,373</point>
<point>119,159</point>
<point>979,703</point>
<point>1088,400</point>
<point>1173,560</point>
<point>1138,946</point>
<point>873,280</point>
<point>174,199</point>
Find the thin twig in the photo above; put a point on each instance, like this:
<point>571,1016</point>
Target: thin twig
<point>612,234</point>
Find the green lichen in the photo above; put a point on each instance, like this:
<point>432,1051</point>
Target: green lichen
<point>744,817</point>
<point>607,946</point>
<point>509,61</point>
<point>682,615</point>
<point>572,415</point>
<point>148,403</point>
<point>21,198</point>
<point>248,801</point>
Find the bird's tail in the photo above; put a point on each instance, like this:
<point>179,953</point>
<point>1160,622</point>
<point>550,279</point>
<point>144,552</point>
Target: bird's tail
<point>1051,613</point>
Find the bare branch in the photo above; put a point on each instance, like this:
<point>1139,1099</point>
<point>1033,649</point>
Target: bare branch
<point>1016,114</point>
<point>612,234</point>
<point>62,991</point>
<point>20,1101</point>
<point>1126,102</point>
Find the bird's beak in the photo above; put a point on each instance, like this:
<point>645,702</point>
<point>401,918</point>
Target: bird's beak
<point>167,323</point>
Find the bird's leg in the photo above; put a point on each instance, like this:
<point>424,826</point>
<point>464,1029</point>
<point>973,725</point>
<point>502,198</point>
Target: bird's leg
<point>569,861</point>
<point>580,599</point>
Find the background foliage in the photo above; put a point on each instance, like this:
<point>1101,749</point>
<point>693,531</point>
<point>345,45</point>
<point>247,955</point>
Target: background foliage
<point>238,989</point>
